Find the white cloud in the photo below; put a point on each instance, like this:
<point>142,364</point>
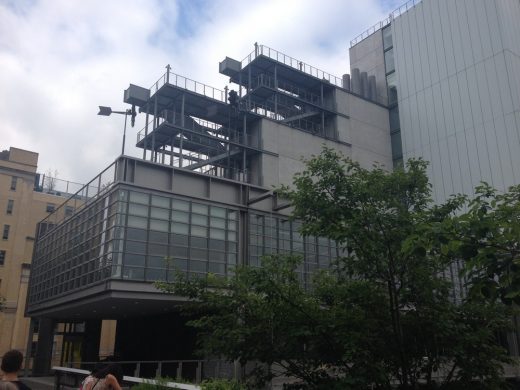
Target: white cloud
<point>60,59</point>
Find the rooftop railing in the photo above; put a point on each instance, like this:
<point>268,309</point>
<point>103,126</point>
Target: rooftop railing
<point>81,198</point>
<point>378,26</point>
<point>292,62</point>
<point>188,84</point>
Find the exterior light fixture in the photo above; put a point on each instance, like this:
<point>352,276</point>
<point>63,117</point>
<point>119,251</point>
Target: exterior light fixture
<point>107,111</point>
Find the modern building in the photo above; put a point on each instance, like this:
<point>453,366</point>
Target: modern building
<point>24,201</point>
<point>199,200</point>
<point>450,74</point>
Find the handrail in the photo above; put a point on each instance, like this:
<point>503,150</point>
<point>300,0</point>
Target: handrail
<point>128,379</point>
<point>188,84</point>
<point>376,27</point>
<point>292,62</point>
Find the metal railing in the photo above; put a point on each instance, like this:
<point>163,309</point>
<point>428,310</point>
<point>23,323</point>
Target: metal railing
<point>54,186</point>
<point>292,62</point>
<point>81,198</point>
<point>65,377</point>
<point>194,370</point>
<point>211,134</point>
<point>188,84</point>
<point>286,88</point>
<point>379,25</point>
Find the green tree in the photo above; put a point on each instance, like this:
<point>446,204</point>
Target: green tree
<point>487,238</point>
<point>381,316</point>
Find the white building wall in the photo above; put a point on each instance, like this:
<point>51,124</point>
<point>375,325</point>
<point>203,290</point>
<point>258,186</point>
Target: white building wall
<point>458,74</point>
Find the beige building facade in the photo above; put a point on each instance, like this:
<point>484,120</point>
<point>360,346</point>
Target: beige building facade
<point>23,203</point>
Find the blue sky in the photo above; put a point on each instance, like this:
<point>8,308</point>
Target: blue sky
<point>60,59</point>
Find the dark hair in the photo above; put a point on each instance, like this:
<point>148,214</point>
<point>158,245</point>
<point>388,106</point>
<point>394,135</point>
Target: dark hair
<point>12,361</point>
<point>113,368</point>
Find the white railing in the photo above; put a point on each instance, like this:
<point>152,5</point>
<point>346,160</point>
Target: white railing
<point>188,84</point>
<point>379,25</point>
<point>292,62</point>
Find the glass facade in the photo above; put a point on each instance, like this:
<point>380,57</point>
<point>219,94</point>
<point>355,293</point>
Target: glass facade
<point>391,84</point>
<point>269,234</point>
<point>134,235</point>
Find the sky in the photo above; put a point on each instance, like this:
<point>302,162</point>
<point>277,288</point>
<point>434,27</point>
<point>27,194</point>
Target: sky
<point>61,59</point>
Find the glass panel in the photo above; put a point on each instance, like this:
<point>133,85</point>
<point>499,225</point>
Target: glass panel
<point>178,204</point>
<point>232,215</point>
<point>155,274</point>
<point>199,231</point>
<point>161,237</point>
<point>138,197</point>
<point>218,234</point>
<point>218,223</point>
<point>157,262</point>
<point>394,119</point>
<point>136,234</point>
<point>232,258</point>
<point>138,222</point>
<point>161,201</point>
<point>180,264</point>
<point>389,61</point>
<point>219,257</point>
<point>180,239</point>
<point>217,268</point>
<point>136,209</point>
<point>137,247</point>
<point>199,254</point>
<point>123,195</point>
<point>232,236</point>
<point>217,244</point>
<point>179,251</point>
<point>199,242</point>
<point>218,212</point>
<point>397,147</point>
<point>161,226</point>
<point>131,259</point>
<point>199,208</point>
<point>156,212</point>
<point>179,228</point>
<point>392,88</point>
<point>387,37</point>
<point>198,266</point>
<point>199,220</point>
<point>158,249</point>
<point>180,216</point>
<point>133,273</point>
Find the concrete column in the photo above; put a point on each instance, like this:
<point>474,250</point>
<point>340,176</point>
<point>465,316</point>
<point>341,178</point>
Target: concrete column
<point>355,81</point>
<point>91,340</point>
<point>43,358</point>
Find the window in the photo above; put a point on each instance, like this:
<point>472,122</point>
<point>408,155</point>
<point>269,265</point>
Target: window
<point>389,61</point>
<point>50,207</point>
<point>397,148</point>
<point>69,210</point>
<point>13,183</point>
<point>394,119</point>
<point>10,205</point>
<point>2,257</point>
<point>5,236</point>
<point>387,38</point>
<point>392,88</point>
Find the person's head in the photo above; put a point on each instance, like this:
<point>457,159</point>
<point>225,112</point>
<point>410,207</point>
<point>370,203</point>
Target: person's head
<point>12,361</point>
<point>114,369</point>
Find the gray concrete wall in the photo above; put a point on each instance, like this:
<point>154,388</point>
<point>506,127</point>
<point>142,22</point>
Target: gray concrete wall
<point>291,146</point>
<point>368,56</point>
<point>458,74</point>
<point>367,129</point>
